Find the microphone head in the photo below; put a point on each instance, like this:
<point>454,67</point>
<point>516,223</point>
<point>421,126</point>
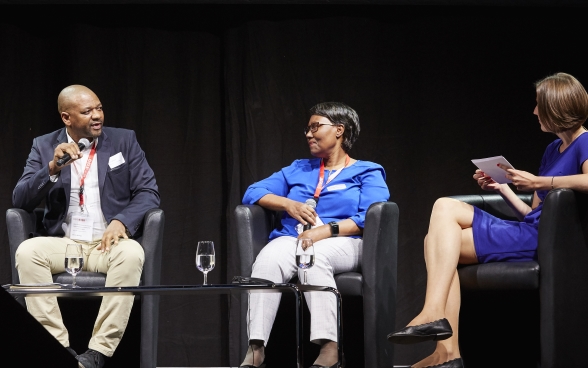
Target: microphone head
<point>83,143</point>
<point>311,202</point>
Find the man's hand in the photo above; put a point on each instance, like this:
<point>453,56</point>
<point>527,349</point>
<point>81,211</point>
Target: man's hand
<point>70,148</point>
<point>112,234</point>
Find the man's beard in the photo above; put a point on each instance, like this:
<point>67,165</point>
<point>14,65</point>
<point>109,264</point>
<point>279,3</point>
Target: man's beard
<point>93,133</point>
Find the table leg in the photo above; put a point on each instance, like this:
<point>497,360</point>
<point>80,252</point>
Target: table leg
<point>299,324</point>
<point>339,322</point>
<point>339,327</point>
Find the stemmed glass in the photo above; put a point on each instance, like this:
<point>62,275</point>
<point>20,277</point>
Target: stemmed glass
<point>205,258</point>
<point>304,255</point>
<point>74,261</point>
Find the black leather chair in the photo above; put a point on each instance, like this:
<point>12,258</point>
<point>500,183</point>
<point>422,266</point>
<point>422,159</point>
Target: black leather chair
<point>23,225</point>
<point>376,283</point>
<point>559,274</point>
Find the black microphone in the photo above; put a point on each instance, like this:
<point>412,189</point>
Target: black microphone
<point>82,143</point>
<point>312,203</point>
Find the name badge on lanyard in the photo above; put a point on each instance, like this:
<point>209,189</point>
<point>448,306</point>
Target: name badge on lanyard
<point>80,226</point>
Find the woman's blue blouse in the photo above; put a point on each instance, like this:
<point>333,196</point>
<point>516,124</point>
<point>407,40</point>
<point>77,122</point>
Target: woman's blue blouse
<point>348,195</point>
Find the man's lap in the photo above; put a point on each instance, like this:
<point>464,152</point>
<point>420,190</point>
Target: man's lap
<point>50,251</point>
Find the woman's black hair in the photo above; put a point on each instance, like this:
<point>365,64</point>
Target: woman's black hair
<point>340,114</point>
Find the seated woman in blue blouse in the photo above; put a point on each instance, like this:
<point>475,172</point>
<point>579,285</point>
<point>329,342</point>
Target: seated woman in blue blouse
<point>343,188</point>
<point>461,233</point>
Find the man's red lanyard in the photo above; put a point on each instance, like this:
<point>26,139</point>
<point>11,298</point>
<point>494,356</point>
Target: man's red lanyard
<point>321,180</point>
<point>88,164</point>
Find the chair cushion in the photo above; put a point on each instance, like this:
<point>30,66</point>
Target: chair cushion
<point>84,279</point>
<point>500,276</point>
<point>349,283</point>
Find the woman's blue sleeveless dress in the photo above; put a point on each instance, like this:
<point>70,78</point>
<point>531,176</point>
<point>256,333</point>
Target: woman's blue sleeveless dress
<point>497,240</point>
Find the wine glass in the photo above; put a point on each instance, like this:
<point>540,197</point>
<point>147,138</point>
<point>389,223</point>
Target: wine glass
<point>304,255</point>
<point>74,261</point>
<point>205,258</point>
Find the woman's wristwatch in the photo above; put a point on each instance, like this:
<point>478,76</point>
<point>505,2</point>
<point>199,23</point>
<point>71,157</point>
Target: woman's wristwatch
<point>334,229</point>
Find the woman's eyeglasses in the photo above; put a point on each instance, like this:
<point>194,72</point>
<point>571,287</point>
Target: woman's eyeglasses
<point>313,127</point>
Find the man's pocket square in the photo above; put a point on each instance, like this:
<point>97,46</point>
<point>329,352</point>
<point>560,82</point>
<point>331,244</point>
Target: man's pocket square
<point>116,160</point>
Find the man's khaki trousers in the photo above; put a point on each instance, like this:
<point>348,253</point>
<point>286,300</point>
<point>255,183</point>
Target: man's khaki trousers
<point>38,258</point>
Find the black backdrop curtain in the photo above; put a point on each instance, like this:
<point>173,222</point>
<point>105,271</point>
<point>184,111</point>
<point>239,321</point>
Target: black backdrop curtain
<point>218,97</point>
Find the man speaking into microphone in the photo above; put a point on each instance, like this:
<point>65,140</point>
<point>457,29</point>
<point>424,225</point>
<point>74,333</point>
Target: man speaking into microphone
<point>96,186</point>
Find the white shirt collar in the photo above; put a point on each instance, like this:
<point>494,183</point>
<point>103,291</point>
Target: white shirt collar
<point>70,140</point>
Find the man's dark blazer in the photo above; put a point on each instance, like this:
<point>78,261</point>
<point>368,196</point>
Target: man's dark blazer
<point>127,192</point>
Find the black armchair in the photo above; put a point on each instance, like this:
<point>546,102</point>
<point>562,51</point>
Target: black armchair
<point>22,225</point>
<point>376,283</point>
<point>558,274</point>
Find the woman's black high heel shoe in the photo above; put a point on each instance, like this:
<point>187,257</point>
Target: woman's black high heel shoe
<point>454,363</point>
<point>252,366</point>
<point>436,330</point>
<point>340,364</point>
<point>336,365</point>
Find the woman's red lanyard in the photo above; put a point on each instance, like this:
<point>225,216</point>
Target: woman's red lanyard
<point>321,180</point>
<point>88,164</point>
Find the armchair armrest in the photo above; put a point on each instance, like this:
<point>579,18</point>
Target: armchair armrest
<point>152,242</point>
<point>379,270</point>
<point>19,224</point>
<point>562,243</point>
<point>253,224</point>
<point>563,257</point>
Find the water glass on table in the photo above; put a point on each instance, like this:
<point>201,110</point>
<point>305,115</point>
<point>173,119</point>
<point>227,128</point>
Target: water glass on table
<point>304,255</point>
<point>205,258</point>
<point>74,261</point>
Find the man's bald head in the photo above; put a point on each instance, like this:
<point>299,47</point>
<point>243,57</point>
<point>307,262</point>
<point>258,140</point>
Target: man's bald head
<point>81,112</point>
<point>70,95</point>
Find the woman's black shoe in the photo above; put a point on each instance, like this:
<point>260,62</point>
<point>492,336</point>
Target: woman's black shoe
<point>436,330</point>
<point>252,366</point>
<point>454,363</point>
<point>336,365</point>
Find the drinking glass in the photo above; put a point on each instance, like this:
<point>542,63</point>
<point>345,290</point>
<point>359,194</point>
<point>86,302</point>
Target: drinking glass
<point>304,255</point>
<point>205,258</point>
<point>74,261</point>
